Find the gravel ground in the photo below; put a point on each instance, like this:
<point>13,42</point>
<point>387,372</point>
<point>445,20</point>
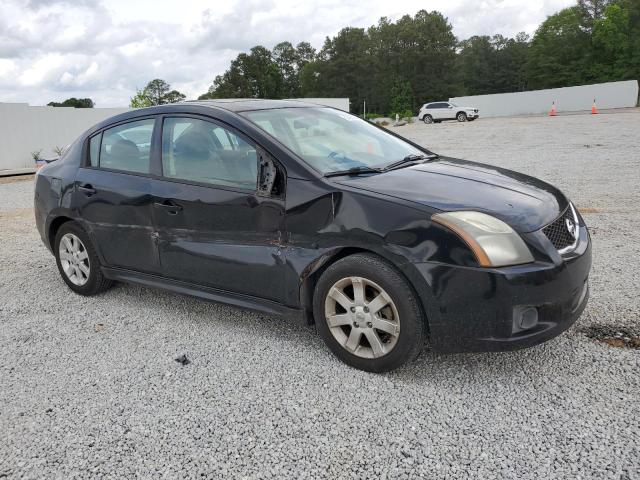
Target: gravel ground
<point>89,387</point>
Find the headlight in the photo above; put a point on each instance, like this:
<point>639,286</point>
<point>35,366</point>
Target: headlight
<point>494,243</point>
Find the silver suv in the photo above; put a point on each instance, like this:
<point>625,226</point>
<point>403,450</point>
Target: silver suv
<point>436,112</point>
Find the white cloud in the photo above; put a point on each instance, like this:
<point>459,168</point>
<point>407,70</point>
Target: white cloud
<point>54,49</point>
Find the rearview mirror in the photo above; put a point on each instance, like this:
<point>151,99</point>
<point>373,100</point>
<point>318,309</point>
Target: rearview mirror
<point>306,123</point>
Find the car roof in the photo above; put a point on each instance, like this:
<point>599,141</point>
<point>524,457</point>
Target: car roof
<point>248,104</point>
<point>231,105</point>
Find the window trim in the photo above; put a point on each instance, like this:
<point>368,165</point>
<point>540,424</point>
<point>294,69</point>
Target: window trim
<point>86,160</point>
<point>155,164</point>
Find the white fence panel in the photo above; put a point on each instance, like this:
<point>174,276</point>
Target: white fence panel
<point>569,99</point>
<point>25,129</point>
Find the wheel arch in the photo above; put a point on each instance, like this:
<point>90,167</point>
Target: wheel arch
<point>54,226</point>
<point>310,279</point>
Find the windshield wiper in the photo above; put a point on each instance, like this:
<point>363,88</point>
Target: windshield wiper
<point>409,159</point>
<point>353,171</point>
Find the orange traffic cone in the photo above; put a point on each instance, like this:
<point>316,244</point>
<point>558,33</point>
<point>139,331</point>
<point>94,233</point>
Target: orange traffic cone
<point>594,109</point>
<point>553,111</point>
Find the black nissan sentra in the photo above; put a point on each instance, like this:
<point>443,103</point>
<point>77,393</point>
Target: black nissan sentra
<point>299,210</point>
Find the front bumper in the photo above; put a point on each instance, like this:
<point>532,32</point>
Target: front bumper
<point>477,309</point>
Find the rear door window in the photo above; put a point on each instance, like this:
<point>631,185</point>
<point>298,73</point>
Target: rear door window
<point>126,147</point>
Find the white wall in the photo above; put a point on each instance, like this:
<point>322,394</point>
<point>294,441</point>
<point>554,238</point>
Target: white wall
<point>568,99</point>
<point>24,129</point>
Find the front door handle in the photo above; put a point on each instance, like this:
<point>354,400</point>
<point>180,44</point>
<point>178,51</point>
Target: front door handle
<point>169,207</point>
<point>87,189</point>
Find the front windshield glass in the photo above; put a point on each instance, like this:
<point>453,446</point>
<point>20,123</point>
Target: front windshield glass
<point>332,140</point>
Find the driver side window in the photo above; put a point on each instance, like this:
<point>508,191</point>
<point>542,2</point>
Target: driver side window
<point>202,151</point>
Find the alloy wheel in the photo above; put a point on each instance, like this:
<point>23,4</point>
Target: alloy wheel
<point>74,259</point>
<point>362,317</point>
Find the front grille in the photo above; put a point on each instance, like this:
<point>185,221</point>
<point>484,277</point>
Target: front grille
<point>557,231</point>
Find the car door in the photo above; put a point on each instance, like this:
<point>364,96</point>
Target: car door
<point>112,195</point>
<point>450,112</point>
<point>439,113</point>
<point>215,228</point>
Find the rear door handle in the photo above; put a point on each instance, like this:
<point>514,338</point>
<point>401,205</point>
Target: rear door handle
<point>169,207</point>
<point>87,189</point>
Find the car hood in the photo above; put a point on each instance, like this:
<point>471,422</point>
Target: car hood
<point>449,184</point>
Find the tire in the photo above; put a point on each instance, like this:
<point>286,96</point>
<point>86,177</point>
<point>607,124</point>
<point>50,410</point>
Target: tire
<point>427,119</point>
<point>461,117</point>
<point>81,272</point>
<point>400,330</point>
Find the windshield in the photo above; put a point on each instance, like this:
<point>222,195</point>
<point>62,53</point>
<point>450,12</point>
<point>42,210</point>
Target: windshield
<point>332,140</point>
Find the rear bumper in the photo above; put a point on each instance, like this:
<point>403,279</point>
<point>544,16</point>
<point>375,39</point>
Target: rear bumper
<point>474,309</point>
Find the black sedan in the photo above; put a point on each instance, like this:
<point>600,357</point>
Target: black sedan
<point>295,209</point>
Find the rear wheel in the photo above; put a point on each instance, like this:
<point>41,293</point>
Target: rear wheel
<point>427,119</point>
<point>367,314</point>
<point>78,262</point>
<point>461,117</point>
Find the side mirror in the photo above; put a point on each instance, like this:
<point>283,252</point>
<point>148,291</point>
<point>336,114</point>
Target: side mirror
<point>450,106</point>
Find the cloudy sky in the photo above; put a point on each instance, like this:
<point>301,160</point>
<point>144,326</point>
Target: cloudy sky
<point>55,49</point>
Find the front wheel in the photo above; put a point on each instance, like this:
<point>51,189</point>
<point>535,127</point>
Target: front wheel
<point>461,117</point>
<point>367,314</point>
<point>427,119</point>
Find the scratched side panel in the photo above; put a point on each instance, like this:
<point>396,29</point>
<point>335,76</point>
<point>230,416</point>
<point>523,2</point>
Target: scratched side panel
<point>119,217</point>
<point>221,238</point>
<point>322,220</point>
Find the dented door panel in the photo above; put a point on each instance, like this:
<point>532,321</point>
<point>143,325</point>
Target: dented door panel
<point>322,221</point>
<point>220,238</point>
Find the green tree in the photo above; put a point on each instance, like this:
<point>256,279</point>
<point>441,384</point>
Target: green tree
<point>140,100</point>
<point>591,11</point>
<point>157,92</point>
<point>493,64</point>
<point>253,75</point>
<point>420,49</point>
<point>559,51</point>
<point>285,57</point>
<point>616,42</point>
<point>401,98</point>
<point>477,63</point>
<point>73,102</point>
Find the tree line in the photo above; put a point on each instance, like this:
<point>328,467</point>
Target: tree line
<point>397,66</point>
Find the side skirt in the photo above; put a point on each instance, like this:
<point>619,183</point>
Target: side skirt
<point>205,293</point>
